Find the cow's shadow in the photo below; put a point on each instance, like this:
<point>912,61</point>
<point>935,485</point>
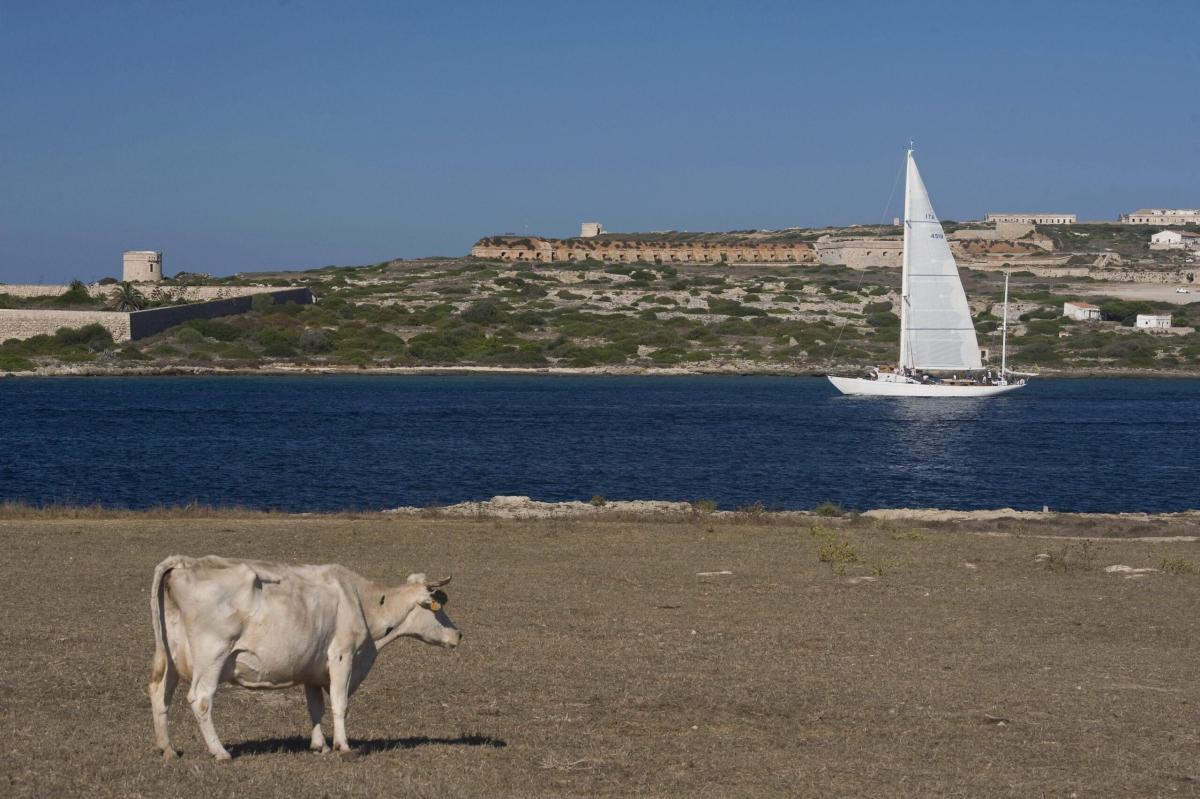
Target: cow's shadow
<point>369,746</point>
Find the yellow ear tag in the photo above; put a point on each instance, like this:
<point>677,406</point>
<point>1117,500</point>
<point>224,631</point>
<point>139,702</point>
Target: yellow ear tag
<point>435,606</point>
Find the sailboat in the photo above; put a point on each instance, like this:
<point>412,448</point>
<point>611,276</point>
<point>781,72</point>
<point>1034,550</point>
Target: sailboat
<point>939,354</point>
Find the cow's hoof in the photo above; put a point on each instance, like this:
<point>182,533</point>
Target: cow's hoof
<point>320,750</point>
<point>171,754</point>
<point>222,756</point>
<point>348,754</point>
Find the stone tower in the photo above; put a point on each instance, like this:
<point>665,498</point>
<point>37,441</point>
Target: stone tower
<point>142,266</point>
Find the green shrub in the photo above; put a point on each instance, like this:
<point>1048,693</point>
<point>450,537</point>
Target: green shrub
<point>883,319</point>
<point>315,341</point>
<point>132,353</point>
<point>76,294</point>
<point>837,552</point>
<point>279,349</point>
<point>94,337</point>
<point>188,335</point>
<point>1039,313</point>
<point>829,509</point>
<point>15,363</point>
<point>214,328</point>
<point>718,305</point>
<point>1125,311</point>
<point>487,312</point>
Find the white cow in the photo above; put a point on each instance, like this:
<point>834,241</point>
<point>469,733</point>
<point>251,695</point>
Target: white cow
<point>270,625</point>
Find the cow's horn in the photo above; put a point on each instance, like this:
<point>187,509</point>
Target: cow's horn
<point>438,583</point>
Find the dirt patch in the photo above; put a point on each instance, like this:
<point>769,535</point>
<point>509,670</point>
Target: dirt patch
<point>598,661</point>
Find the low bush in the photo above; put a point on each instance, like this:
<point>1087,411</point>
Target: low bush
<point>829,509</point>
<point>15,363</point>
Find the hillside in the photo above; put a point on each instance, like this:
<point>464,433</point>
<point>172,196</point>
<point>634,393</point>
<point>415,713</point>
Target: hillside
<point>470,312</point>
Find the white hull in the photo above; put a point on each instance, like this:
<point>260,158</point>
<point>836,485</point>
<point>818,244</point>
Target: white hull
<point>861,387</point>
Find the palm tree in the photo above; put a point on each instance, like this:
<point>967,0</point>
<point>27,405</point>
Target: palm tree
<point>128,298</point>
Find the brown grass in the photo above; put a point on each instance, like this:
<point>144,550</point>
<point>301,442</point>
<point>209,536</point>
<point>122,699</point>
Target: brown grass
<point>597,663</point>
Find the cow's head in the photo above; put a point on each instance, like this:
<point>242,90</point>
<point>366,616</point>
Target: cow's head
<point>428,620</point>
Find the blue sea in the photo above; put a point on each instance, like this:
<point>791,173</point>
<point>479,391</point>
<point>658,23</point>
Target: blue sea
<point>373,442</point>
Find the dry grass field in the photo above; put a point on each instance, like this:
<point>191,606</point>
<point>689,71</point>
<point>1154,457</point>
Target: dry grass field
<point>597,662</point>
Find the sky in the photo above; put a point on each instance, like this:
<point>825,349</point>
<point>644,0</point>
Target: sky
<point>243,136</point>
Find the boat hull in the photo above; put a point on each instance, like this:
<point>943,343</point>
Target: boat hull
<point>861,387</point>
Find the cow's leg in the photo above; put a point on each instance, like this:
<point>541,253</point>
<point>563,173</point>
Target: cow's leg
<point>163,679</point>
<point>206,675</point>
<point>316,709</point>
<point>339,698</point>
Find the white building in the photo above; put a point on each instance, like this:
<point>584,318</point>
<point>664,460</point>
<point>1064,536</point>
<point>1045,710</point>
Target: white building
<point>1175,240</point>
<point>1162,216</point>
<point>1033,219</point>
<point>590,230</point>
<point>1081,311</point>
<point>142,266</point>
<point>1153,321</point>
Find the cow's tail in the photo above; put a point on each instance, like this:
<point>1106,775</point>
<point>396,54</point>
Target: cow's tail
<point>157,616</point>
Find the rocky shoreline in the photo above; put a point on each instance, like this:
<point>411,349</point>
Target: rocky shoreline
<point>523,507</point>
<point>727,369</point>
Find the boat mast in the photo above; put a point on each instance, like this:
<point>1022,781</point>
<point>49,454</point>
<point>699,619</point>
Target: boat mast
<point>1004,336</point>
<point>904,264</point>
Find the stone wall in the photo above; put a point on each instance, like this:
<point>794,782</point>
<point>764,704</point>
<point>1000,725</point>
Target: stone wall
<point>153,291</point>
<point>610,250</point>
<point>22,324</point>
<point>154,320</point>
<point>860,253</point>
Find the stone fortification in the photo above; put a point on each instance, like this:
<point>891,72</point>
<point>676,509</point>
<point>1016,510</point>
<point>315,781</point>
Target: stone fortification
<point>152,291</point>
<point>142,266</point>
<point>610,248</point>
<point>154,320</point>
<point>26,323</point>
<point>860,253</point>
<point>23,324</point>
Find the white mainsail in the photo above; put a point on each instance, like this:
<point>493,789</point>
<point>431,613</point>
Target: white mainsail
<point>936,331</point>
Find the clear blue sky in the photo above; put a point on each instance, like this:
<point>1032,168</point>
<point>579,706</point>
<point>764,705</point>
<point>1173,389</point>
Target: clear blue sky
<point>253,135</point>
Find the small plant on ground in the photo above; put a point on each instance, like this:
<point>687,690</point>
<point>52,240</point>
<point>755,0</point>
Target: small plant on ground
<point>837,552</point>
<point>1072,558</point>
<point>829,509</point>
<point>599,501</point>
<point>754,509</point>
<point>1173,564</point>
<point>833,549</point>
<point>704,505</point>
<point>909,535</point>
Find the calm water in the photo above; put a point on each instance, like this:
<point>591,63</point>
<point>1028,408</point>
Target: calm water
<point>375,442</point>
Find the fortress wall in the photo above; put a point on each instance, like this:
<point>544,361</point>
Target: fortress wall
<point>861,253</point>
<point>629,251</point>
<point>154,320</point>
<point>151,290</point>
<point>26,290</point>
<point>23,324</point>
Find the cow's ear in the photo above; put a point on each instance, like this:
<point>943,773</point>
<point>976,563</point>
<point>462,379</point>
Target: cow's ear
<point>417,578</point>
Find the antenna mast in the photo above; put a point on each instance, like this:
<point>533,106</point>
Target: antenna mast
<point>1004,337</point>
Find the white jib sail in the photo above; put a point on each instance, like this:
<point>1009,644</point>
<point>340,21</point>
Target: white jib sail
<point>936,329</point>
